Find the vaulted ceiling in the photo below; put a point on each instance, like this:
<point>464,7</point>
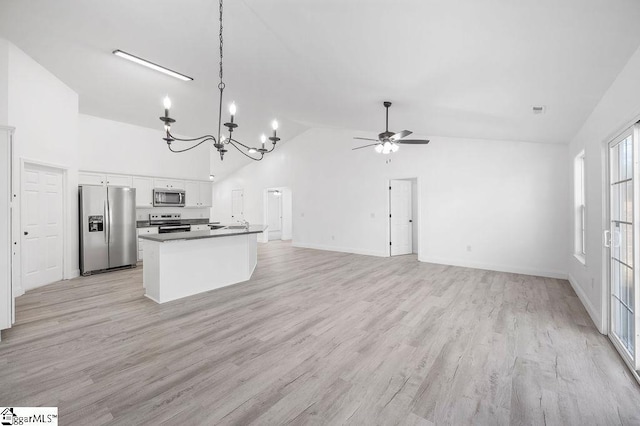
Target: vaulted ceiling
<point>463,68</point>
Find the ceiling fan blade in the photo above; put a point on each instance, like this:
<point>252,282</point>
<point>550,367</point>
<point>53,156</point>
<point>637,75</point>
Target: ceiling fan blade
<point>365,146</point>
<point>400,135</point>
<point>414,141</point>
<point>367,139</point>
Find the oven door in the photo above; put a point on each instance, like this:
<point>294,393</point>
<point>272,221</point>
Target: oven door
<point>166,229</point>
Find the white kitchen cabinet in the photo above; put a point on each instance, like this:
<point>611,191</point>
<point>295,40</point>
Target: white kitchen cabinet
<point>206,196</point>
<point>119,180</point>
<point>144,231</point>
<point>204,227</point>
<point>144,191</point>
<point>168,183</point>
<point>6,293</point>
<point>198,194</point>
<point>192,193</point>
<point>103,179</point>
<point>85,178</point>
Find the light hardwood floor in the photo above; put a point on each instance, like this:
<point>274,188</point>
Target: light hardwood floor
<point>318,338</point>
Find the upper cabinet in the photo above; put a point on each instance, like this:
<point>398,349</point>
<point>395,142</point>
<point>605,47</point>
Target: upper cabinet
<point>144,191</point>
<point>198,194</point>
<point>192,193</point>
<point>168,183</point>
<point>206,194</point>
<point>85,178</point>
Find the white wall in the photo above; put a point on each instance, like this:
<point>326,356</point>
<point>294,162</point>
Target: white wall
<point>505,199</point>
<point>44,112</point>
<point>116,147</point>
<point>4,82</point>
<point>618,109</point>
<point>112,146</point>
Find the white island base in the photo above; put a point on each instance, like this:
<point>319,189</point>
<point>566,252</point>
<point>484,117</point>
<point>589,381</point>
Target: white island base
<point>183,267</point>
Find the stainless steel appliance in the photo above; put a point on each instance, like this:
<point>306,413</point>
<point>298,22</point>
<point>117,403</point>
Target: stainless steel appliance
<point>168,222</point>
<point>107,228</point>
<point>168,197</point>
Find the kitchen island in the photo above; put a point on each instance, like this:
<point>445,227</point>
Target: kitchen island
<point>182,264</point>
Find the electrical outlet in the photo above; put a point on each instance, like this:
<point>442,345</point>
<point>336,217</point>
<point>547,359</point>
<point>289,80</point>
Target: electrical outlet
<point>468,248</point>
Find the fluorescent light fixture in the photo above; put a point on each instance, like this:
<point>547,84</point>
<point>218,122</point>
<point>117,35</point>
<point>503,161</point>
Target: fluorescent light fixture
<point>151,65</point>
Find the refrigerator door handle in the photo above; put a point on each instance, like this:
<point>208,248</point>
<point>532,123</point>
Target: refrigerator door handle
<point>110,220</point>
<point>106,222</point>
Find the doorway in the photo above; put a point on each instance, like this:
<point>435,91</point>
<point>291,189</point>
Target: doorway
<point>621,240</point>
<point>237,204</point>
<point>274,214</point>
<point>42,233</point>
<point>277,214</point>
<point>403,215</point>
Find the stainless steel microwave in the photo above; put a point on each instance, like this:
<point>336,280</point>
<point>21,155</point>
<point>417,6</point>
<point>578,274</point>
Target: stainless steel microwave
<point>168,197</point>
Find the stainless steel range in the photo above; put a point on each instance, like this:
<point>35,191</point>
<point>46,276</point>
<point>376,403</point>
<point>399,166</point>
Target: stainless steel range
<point>168,222</point>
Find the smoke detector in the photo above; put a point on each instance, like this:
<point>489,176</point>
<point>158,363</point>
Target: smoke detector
<point>538,109</point>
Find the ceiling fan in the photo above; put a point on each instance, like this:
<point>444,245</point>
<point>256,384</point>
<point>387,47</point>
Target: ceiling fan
<point>387,141</point>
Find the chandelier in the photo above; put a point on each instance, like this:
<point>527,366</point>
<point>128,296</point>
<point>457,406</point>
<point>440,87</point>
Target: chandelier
<point>220,143</point>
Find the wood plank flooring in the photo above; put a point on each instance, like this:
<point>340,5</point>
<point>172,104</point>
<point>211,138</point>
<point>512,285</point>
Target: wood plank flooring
<point>318,338</point>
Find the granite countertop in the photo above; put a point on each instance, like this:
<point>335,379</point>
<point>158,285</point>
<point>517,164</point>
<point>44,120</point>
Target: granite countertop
<point>146,224</point>
<point>198,235</point>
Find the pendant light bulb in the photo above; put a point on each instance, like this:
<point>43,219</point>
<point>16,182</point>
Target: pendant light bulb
<point>211,177</point>
<point>274,125</point>
<point>395,147</point>
<point>263,139</point>
<point>167,102</point>
<point>386,148</point>
<point>378,148</point>
<point>252,150</point>
<point>233,109</point>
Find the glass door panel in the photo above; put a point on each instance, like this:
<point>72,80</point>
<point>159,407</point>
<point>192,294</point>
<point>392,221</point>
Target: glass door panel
<point>623,157</point>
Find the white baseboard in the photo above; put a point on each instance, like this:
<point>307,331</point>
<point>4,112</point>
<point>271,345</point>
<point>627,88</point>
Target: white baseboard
<point>74,274</point>
<point>18,291</point>
<point>593,313</point>
<point>494,267</point>
<point>340,249</point>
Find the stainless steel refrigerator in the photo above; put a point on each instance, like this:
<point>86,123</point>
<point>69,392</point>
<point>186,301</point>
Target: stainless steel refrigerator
<point>107,228</point>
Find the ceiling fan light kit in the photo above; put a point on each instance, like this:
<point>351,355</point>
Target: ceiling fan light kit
<point>220,143</point>
<point>388,142</point>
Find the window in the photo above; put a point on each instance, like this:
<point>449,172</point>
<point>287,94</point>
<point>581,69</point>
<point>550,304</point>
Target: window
<point>579,208</point>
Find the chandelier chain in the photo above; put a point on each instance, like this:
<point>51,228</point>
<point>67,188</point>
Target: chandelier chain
<point>221,85</point>
<point>219,142</point>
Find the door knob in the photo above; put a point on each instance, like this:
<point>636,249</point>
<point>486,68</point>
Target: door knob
<point>26,233</point>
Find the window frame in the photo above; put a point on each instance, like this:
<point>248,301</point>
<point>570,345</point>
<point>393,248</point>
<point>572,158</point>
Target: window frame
<point>580,208</point>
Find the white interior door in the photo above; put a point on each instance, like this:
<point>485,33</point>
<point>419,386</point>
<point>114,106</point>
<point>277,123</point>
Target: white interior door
<point>237,204</point>
<point>400,217</point>
<point>42,230</point>
<point>274,215</point>
<point>623,296</point>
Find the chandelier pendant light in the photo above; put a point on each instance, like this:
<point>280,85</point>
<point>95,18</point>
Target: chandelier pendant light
<point>220,143</point>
